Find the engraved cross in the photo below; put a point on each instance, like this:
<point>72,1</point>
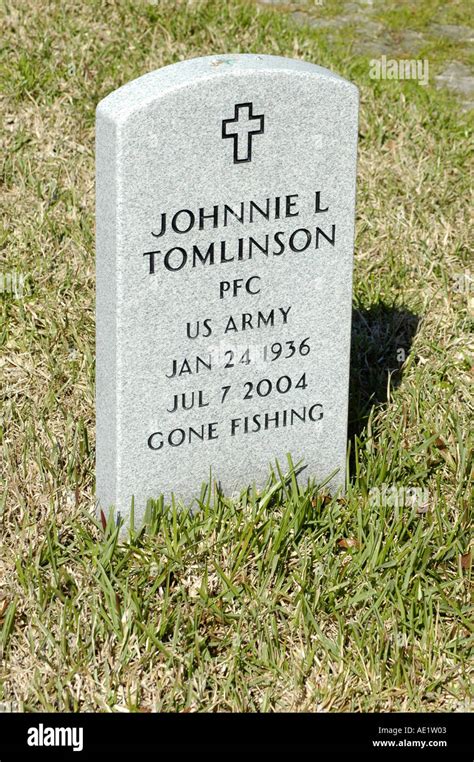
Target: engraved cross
<point>241,128</point>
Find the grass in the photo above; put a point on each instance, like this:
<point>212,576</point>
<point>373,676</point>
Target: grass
<point>287,598</point>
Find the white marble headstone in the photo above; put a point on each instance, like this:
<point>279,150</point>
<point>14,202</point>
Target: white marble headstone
<point>225,224</point>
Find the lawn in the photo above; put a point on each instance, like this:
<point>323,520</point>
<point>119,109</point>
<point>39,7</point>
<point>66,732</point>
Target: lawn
<point>288,598</point>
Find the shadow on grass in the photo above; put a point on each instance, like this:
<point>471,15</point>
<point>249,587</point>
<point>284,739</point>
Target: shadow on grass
<point>381,340</point>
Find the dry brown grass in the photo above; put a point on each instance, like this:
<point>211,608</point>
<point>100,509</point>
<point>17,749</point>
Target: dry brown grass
<point>90,623</point>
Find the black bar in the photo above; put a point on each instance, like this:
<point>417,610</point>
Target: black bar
<point>377,735</point>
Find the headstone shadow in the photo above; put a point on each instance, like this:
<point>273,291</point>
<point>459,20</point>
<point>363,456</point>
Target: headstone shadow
<point>381,341</point>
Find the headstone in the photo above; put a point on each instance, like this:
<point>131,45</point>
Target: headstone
<point>225,223</point>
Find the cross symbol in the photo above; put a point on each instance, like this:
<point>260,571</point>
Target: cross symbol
<point>241,129</point>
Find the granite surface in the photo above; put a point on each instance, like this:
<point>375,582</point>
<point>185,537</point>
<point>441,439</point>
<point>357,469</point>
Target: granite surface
<point>225,225</point>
